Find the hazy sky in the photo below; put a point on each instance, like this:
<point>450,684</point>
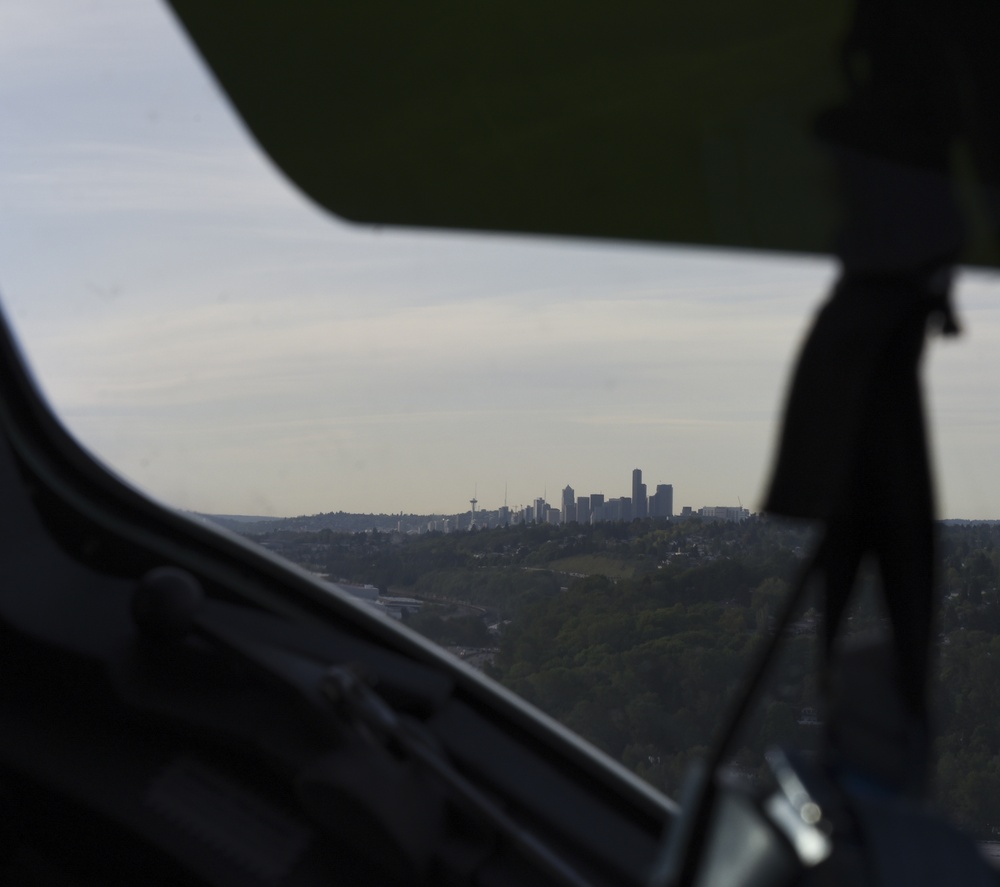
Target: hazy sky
<point>230,348</point>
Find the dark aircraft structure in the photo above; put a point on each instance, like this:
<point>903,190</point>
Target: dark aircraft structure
<point>180,708</point>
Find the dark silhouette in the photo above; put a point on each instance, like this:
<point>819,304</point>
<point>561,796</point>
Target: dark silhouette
<point>853,452</point>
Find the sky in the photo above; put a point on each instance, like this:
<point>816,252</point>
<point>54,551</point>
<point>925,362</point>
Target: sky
<point>226,346</point>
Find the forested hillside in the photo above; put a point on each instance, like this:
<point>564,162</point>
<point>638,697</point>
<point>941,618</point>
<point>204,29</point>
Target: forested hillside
<point>636,634</point>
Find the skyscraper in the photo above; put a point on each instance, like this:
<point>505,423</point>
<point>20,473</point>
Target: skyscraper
<point>540,509</point>
<point>596,507</point>
<point>661,503</point>
<point>638,494</point>
<point>568,505</point>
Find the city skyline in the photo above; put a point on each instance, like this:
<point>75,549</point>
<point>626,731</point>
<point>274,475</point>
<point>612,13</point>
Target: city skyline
<point>593,508</point>
<point>482,505</point>
<point>230,349</point>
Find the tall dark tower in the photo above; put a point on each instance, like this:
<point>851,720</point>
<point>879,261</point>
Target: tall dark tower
<point>661,503</point>
<point>568,506</point>
<point>638,494</point>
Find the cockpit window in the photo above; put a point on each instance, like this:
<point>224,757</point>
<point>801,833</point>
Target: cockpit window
<point>433,408</point>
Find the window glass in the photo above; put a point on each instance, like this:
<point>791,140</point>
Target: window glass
<point>234,351</point>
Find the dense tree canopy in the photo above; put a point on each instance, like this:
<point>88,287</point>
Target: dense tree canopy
<point>635,635</point>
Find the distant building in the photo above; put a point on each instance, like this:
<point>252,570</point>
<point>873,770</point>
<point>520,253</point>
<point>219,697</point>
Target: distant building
<point>583,509</point>
<point>395,607</point>
<point>734,513</point>
<point>568,505</point>
<point>368,593</point>
<point>618,509</point>
<point>638,494</point>
<point>597,508</point>
<point>661,503</point>
<point>540,508</point>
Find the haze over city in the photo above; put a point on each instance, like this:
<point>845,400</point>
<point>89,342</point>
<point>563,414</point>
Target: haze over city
<point>231,349</point>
